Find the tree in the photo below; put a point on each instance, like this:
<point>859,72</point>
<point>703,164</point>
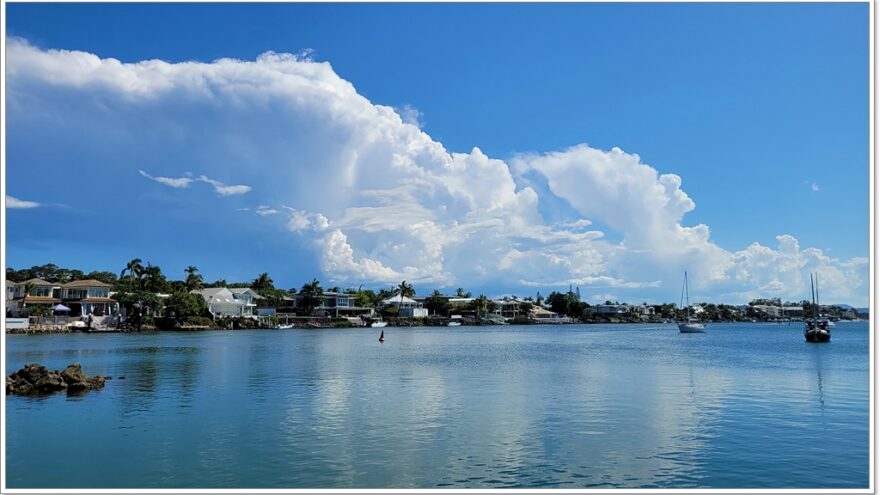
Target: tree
<point>310,296</point>
<point>106,277</point>
<point>437,304</point>
<point>184,304</point>
<point>480,305</point>
<point>138,288</point>
<point>194,280</point>
<point>263,282</point>
<point>459,292</point>
<point>404,290</point>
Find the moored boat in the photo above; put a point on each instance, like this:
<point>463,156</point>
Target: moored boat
<point>689,325</point>
<point>816,330</point>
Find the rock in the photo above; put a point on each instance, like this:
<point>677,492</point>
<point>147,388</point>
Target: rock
<point>32,373</point>
<point>35,379</point>
<point>73,374</point>
<point>52,382</point>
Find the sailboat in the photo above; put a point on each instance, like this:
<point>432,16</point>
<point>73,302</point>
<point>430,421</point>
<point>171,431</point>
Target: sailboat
<point>690,325</point>
<point>815,329</point>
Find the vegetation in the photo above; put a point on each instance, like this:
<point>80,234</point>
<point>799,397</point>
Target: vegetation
<point>310,297</point>
<point>148,295</point>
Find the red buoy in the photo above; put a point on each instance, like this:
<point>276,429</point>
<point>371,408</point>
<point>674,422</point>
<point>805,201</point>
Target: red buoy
<point>382,336</point>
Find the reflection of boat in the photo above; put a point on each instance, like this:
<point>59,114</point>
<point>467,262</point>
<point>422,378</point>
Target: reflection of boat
<point>815,329</point>
<point>690,325</point>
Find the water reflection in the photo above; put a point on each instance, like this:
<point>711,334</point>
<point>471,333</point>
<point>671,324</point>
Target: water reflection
<point>573,407</point>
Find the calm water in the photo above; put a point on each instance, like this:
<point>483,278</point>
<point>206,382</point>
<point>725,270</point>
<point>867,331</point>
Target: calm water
<point>745,405</point>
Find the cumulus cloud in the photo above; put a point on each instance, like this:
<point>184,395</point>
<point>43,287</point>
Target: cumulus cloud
<point>16,203</point>
<point>379,200</point>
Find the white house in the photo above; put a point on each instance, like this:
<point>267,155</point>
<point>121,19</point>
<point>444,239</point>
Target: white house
<point>408,308</point>
<point>229,302</point>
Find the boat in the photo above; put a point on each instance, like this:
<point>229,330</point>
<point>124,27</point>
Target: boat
<point>382,336</point>
<point>816,330</point>
<point>379,324</point>
<point>454,324</point>
<point>690,325</point>
<point>285,327</point>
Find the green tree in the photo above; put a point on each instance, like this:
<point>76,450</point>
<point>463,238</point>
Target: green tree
<point>459,292</point>
<point>262,282</point>
<point>405,290</point>
<point>310,296</point>
<point>184,304</point>
<point>480,305</point>
<point>194,280</point>
<point>437,304</point>
<point>138,288</point>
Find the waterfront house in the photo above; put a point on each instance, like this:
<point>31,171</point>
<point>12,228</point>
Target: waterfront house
<point>88,297</point>
<point>543,315</point>
<point>611,309</point>
<point>406,307</point>
<point>507,308</point>
<point>338,304</point>
<point>229,302</point>
<point>42,293</point>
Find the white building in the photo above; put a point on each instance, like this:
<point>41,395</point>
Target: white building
<point>229,302</point>
<point>406,307</point>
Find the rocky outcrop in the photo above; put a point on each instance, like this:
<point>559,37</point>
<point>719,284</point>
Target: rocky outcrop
<point>36,379</point>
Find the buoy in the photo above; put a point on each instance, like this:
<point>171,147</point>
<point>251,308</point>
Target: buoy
<point>382,336</point>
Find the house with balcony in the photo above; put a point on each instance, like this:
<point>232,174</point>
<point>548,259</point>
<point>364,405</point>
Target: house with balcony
<point>339,305</point>
<point>236,302</point>
<point>88,297</point>
<point>42,293</point>
<point>406,307</point>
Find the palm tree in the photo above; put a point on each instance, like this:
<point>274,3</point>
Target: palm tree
<point>404,290</point>
<point>194,280</point>
<point>263,282</point>
<point>481,304</point>
<point>26,287</point>
<point>133,267</point>
<point>310,296</point>
<point>459,292</point>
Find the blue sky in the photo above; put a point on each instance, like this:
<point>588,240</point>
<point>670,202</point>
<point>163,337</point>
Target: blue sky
<point>760,110</point>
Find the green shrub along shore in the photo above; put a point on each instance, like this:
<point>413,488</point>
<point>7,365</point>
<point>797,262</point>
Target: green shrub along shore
<point>152,301</point>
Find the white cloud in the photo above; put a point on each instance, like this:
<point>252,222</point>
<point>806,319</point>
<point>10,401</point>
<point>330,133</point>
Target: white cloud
<point>224,190</point>
<point>815,187</point>
<point>380,200</point>
<point>179,183</point>
<point>16,203</point>
<point>264,211</point>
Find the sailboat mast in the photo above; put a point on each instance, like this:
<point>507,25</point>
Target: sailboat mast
<point>812,291</point>
<point>687,294</point>
<point>817,294</point>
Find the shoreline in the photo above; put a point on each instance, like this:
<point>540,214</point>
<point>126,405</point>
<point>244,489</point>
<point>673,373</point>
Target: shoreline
<point>335,325</point>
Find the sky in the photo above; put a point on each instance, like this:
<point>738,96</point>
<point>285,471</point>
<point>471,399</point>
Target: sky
<point>504,148</point>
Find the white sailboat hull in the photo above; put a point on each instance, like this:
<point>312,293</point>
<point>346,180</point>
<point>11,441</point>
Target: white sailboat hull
<point>691,328</point>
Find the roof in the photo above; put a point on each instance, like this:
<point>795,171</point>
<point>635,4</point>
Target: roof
<point>216,295</point>
<point>41,299</point>
<point>86,283</point>
<point>397,299</point>
<point>541,311</point>
<point>97,300</point>
<point>39,281</point>
<point>244,290</point>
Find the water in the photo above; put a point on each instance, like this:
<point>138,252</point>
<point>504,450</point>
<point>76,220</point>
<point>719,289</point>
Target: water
<point>744,405</point>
